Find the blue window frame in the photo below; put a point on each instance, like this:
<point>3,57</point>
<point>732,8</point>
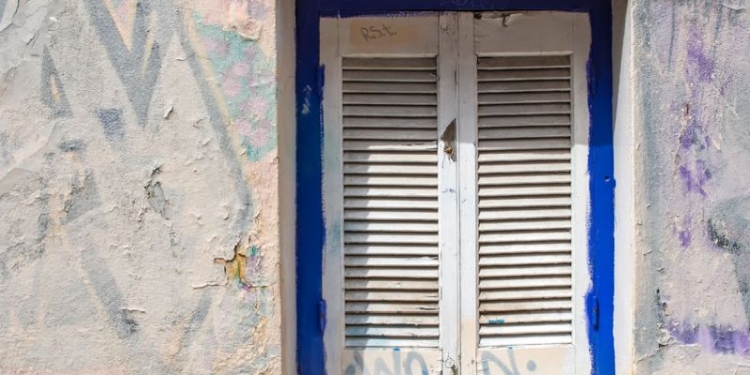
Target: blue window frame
<point>310,231</point>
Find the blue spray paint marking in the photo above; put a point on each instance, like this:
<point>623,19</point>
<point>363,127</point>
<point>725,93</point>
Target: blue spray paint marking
<point>310,229</point>
<point>600,300</point>
<point>310,225</point>
<point>497,321</point>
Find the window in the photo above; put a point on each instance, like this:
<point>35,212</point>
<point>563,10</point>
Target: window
<point>455,193</point>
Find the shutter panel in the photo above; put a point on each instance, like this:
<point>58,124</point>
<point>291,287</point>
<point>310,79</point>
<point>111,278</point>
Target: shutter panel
<point>383,110</point>
<point>524,200</point>
<point>526,134</point>
<point>391,263</point>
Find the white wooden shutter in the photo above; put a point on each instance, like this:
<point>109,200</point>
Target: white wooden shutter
<point>528,73</point>
<point>391,259</point>
<point>384,168</point>
<point>524,200</point>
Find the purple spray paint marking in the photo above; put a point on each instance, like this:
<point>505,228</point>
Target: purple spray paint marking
<point>717,340</point>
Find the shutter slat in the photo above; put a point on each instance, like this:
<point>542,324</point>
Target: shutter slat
<point>518,340</point>
<point>489,156</point>
<point>500,272</point>
<point>526,282</point>
<point>391,99</point>
<point>522,98</point>
<point>392,261</point>
<point>524,200</point>
<point>523,109</point>
<point>367,180</point>
<point>515,225</point>
<point>388,169</point>
<point>526,132</point>
<point>400,285</point>
<point>390,228</point>
<point>524,86</point>
<point>395,295</point>
<point>525,248</point>
<point>549,317</point>
<point>428,64</point>
<point>525,62</point>
<point>526,260</point>
<point>485,75</point>
<point>390,238</point>
<point>404,203</point>
<point>490,214</point>
<point>538,328</point>
<point>377,123</point>
<point>386,249</point>
<point>388,76</point>
<point>392,273</point>
<point>522,191</point>
<point>533,179</point>
<point>393,215</point>
<point>389,145</point>
<point>385,111</point>
<point>395,320</point>
<point>425,157</point>
<point>389,342</point>
<point>524,237</point>
<point>526,306</point>
<point>391,307</point>
<point>504,121</point>
<point>528,202</point>
<point>374,331</point>
<point>372,226</point>
<point>511,295</point>
<point>397,87</point>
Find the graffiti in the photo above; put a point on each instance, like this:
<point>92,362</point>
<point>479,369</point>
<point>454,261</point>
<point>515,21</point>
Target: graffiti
<point>693,95</point>
<point>241,77</point>
<point>52,92</point>
<point>401,362</point>
<point>377,32</point>
<point>111,121</point>
<point>509,368</point>
<point>128,33</point>
<point>141,191</point>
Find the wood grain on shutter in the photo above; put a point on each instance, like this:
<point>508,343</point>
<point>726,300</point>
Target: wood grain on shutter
<point>524,200</point>
<point>391,262</point>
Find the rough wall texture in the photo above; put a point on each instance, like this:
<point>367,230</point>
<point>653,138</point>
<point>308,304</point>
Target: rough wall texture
<point>138,187</point>
<point>692,67</point>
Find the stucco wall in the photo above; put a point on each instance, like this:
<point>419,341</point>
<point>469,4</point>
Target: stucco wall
<point>692,103</point>
<point>138,187</point>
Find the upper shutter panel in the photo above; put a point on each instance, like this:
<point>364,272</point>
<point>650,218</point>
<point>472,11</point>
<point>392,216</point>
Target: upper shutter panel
<point>524,200</point>
<point>391,262</point>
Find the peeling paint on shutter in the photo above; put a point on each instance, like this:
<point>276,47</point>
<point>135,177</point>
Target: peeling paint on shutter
<point>524,200</point>
<point>390,176</point>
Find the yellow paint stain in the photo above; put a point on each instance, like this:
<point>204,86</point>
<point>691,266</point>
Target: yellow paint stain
<point>235,267</point>
<point>124,26</point>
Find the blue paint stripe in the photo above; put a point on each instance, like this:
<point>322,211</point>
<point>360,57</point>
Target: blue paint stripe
<point>360,7</point>
<point>310,225</point>
<point>310,229</point>
<point>601,189</point>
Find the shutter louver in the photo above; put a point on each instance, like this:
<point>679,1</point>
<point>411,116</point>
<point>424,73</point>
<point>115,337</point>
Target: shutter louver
<point>391,262</point>
<point>524,200</point>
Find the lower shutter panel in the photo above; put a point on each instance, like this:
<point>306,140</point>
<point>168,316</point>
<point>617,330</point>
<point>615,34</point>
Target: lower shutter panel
<point>524,202</point>
<point>390,202</point>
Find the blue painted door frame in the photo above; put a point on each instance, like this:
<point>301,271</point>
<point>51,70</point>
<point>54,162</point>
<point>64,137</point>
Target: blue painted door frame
<point>310,231</point>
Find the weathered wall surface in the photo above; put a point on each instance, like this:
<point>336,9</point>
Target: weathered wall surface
<point>692,99</point>
<point>138,187</point>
